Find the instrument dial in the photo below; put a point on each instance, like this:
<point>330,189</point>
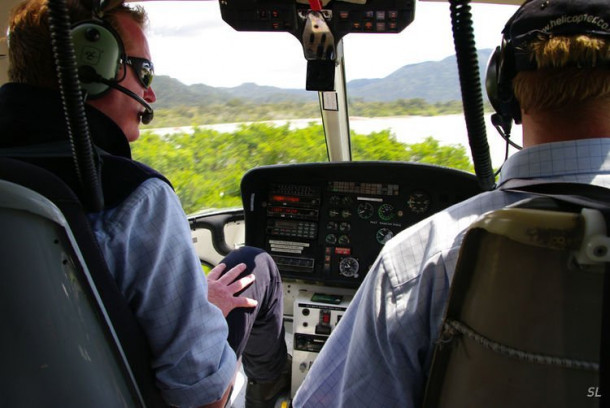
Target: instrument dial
<point>347,201</point>
<point>331,239</point>
<point>383,235</point>
<point>365,210</point>
<point>419,202</point>
<point>332,226</point>
<point>386,212</point>
<point>349,267</point>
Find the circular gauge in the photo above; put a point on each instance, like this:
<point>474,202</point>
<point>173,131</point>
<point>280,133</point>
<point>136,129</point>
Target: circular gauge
<point>331,239</point>
<point>419,202</point>
<point>386,212</point>
<point>332,226</point>
<point>365,210</point>
<point>383,235</point>
<point>347,201</point>
<point>345,227</point>
<point>349,267</point>
<point>346,213</point>
<point>344,240</point>
<point>333,213</point>
<point>335,200</point>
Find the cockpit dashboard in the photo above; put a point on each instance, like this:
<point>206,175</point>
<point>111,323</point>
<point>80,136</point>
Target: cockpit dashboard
<point>325,223</point>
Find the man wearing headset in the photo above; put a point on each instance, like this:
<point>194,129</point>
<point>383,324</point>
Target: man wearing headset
<point>380,354</point>
<point>142,230</point>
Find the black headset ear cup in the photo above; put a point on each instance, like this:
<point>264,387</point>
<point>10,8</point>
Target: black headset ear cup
<point>491,79</point>
<point>99,51</point>
<point>499,82</point>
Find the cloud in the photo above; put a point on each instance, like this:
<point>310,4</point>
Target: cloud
<point>183,19</point>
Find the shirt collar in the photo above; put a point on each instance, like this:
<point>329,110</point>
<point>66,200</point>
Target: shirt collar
<point>576,158</point>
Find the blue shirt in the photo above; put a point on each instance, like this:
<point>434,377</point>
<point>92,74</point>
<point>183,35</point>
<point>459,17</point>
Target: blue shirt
<point>380,353</point>
<point>147,244</point>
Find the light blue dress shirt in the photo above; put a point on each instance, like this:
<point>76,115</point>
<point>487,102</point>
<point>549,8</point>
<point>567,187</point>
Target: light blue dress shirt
<point>148,247</point>
<point>380,353</point>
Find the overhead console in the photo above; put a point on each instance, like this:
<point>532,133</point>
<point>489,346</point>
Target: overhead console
<point>342,17</point>
<point>319,25</point>
<point>325,223</point>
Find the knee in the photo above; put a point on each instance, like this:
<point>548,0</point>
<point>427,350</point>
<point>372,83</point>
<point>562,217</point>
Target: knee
<point>265,265</point>
<point>264,261</point>
<point>257,261</point>
<point>248,252</point>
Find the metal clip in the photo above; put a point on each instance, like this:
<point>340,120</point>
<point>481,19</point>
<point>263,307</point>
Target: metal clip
<point>318,41</point>
<point>596,243</point>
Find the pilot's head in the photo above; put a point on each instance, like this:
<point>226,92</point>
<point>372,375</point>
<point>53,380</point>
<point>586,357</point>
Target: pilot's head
<point>554,64</point>
<point>561,52</point>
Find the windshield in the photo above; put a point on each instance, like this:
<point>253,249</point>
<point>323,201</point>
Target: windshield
<point>228,101</point>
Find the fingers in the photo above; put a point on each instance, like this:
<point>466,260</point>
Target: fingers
<point>223,287</point>
<point>232,274</point>
<point>229,279</point>
<point>215,273</point>
<point>242,283</point>
<point>244,302</point>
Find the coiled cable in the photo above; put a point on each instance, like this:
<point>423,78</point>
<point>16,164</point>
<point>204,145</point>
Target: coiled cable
<point>86,163</point>
<point>472,97</point>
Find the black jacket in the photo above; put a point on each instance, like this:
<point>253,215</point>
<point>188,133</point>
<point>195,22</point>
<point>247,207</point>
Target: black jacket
<point>33,116</point>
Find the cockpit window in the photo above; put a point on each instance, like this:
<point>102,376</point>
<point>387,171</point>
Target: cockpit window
<point>228,101</point>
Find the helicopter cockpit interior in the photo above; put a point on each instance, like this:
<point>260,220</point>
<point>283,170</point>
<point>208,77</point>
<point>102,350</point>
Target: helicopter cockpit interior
<point>323,223</point>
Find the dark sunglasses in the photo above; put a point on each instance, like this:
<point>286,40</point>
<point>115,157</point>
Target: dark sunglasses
<point>144,69</point>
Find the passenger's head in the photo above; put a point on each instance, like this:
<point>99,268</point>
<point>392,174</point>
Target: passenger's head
<point>31,59</point>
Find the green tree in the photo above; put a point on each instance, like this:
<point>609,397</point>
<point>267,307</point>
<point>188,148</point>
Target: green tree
<point>431,152</point>
<point>206,166</point>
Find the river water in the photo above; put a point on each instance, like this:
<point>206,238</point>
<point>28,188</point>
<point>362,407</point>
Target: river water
<point>447,129</point>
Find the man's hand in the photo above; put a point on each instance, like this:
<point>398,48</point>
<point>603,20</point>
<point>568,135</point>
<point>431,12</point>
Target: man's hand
<point>222,289</point>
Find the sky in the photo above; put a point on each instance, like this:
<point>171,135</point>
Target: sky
<point>190,42</point>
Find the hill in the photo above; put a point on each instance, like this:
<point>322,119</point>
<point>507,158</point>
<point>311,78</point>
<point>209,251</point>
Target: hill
<point>432,81</point>
<point>172,93</point>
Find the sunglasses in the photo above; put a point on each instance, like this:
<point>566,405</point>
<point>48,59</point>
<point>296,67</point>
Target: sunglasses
<point>143,68</point>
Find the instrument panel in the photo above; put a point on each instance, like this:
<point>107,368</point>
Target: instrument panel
<point>326,222</point>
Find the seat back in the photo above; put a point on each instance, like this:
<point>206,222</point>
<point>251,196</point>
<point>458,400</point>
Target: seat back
<point>524,319</point>
<point>58,348</point>
<point>45,239</point>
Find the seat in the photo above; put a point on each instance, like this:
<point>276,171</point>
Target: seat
<point>69,337</point>
<point>523,323</point>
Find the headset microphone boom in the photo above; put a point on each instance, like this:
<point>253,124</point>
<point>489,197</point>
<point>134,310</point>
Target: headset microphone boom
<point>87,74</point>
<point>100,54</point>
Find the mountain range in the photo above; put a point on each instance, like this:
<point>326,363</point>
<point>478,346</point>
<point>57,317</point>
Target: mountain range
<point>432,81</point>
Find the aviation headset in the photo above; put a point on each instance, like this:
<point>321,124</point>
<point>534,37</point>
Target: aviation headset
<point>537,17</point>
<point>100,55</point>
<point>99,52</point>
<point>500,73</point>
